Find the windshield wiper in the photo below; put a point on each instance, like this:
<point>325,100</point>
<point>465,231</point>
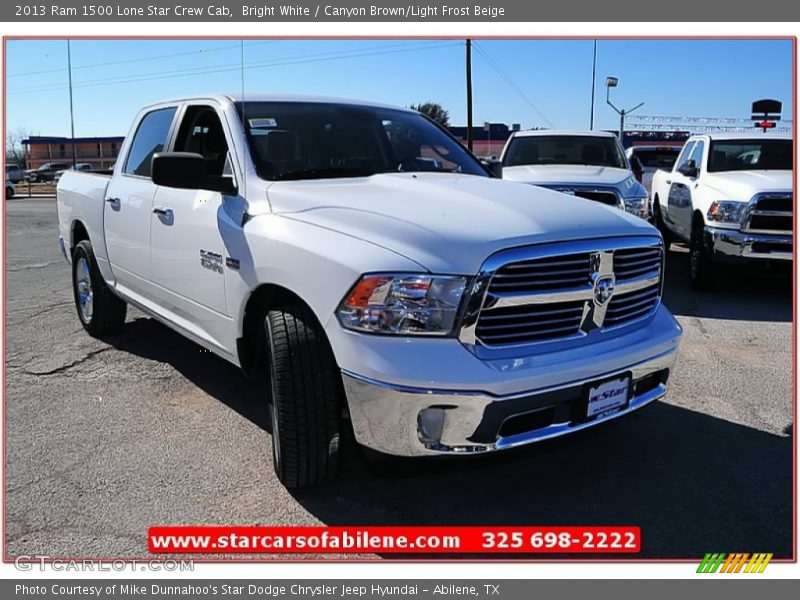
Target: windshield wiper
<point>323,173</point>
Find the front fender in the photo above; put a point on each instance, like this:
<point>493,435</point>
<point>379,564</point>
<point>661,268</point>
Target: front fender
<point>317,264</point>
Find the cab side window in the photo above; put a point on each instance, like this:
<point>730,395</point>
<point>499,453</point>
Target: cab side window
<point>201,132</point>
<point>697,154</point>
<point>684,155</point>
<point>150,137</point>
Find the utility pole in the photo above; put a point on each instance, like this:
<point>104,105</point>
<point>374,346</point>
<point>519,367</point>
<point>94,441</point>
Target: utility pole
<point>71,111</point>
<point>469,94</point>
<point>594,72</point>
<point>612,82</point>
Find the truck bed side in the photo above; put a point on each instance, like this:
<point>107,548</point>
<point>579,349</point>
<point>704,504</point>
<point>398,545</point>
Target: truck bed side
<point>80,199</point>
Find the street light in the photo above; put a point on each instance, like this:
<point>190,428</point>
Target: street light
<point>610,83</point>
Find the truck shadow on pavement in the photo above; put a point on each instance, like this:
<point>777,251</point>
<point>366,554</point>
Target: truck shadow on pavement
<point>693,483</point>
<point>740,295</point>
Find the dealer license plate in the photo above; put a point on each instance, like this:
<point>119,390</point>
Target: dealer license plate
<point>610,395</point>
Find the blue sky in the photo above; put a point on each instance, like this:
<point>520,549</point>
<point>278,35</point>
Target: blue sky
<point>113,79</point>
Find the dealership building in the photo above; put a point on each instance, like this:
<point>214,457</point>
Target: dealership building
<point>100,152</point>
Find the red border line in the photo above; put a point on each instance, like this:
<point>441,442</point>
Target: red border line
<point>6,38</point>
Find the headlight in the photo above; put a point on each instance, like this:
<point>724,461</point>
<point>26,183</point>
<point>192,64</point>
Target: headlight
<point>727,211</point>
<point>403,304</point>
<point>637,206</point>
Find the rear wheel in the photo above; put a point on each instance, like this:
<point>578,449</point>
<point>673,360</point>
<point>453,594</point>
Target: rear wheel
<point>306,392</point>
<point>99,310</point>
<point>701,269</point>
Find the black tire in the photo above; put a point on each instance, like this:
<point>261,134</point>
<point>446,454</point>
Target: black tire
<point>666,234</point>
<point>305,404</point>
<point>701,269</point>
<point>107,311</point>
<point>9,193</point>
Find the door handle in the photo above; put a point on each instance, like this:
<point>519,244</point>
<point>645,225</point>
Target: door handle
<point>669,181</point>
<point>115,202</point>
<point>163,212</point>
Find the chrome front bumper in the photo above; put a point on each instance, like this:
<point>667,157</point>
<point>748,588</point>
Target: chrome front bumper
<point>732,246</point>
<point>406,421</point>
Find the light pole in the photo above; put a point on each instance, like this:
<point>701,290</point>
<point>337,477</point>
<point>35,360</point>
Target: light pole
<point>610,83</point>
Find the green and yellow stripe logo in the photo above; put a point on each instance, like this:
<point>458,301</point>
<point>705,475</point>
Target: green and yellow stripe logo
<point>741,562</point>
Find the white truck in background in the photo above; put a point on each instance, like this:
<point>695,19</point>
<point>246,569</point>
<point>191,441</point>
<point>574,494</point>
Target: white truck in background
<point>729,196</point>
<point>372,268</point>
<point>587,164</point>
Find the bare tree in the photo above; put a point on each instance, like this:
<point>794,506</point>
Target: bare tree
<point>16,153</point>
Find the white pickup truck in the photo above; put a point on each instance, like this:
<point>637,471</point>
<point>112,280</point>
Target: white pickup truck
<point>377,271</point>
<point>729,196</point>
<point>587,164</point>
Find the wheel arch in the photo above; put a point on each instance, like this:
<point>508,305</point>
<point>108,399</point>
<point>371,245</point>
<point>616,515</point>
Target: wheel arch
<point>250,346</point>
<point>78,233</point>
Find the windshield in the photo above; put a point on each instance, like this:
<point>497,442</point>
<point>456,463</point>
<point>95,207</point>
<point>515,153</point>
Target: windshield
<point>750,155</point>
<point>658,158</point>
<point>302,140</point>
<point>564,150</point>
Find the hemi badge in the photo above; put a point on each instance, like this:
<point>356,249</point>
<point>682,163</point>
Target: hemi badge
<point>232,263</point>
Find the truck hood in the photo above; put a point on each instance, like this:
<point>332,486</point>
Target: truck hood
<point>743,185</point>
<point>566,174</point>
<point>447,223</point>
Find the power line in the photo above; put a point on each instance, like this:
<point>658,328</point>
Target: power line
<point>300,59</point>
<point>518,90</point>
<point>135,60</point>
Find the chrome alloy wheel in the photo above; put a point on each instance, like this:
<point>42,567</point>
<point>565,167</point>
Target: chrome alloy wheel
<point>83,285</point>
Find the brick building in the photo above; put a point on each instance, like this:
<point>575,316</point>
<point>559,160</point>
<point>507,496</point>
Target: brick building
<point>487,139</point>
<point>100,152</point>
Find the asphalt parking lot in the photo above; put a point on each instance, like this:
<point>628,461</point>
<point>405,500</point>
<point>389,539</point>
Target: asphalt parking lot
<point>104,439</point>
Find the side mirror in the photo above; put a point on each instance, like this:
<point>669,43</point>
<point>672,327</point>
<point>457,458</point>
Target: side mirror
<point>494,166</point>
<point>637,167</point>
<point>689,168</point>
<point>187,171</point>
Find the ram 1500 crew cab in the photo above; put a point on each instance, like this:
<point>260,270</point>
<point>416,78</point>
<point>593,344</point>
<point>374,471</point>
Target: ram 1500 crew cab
<point>588,164</point>
<point>386,282</point>
<point>730,197</point>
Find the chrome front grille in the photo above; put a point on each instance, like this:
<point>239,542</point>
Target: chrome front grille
<point>769,214</point>
<point>563,291</point>
<point>630,263</point>
<point>549,273</point>
<point>520,324</point>
<point>632,305</point>
<point>604,196</point>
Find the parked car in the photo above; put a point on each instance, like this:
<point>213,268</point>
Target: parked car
<point>15,173</point>
<point>46,172</point>
<point>646,160</point>
<point>433,311</point>
<point>77,167</point>
<point>730,197</point>
<point>10,190</point>
<point>588,164</point>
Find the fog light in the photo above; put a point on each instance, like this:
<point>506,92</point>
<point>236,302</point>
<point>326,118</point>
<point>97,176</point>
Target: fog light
<point>430,423</point>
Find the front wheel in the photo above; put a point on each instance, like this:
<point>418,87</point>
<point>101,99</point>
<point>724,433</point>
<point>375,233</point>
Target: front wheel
<point>306,398</point>
<point>99,310</point>
<point>701,269</point>
<point>666,234</point>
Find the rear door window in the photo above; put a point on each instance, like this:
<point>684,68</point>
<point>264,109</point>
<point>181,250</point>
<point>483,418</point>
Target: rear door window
<point>150,137</point>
